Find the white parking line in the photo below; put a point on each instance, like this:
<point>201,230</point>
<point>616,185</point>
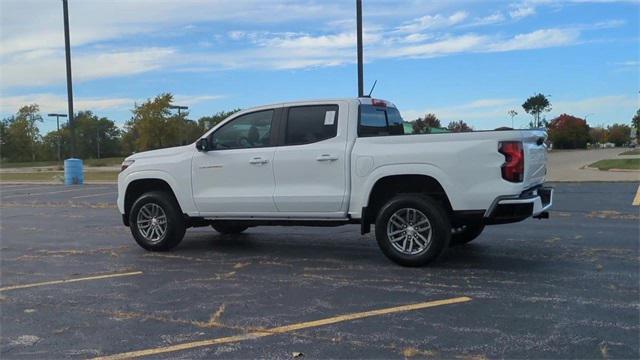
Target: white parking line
<point>636,200</point>
<point>93,195</point>
<point>41,187</point>
<point>49,193</point>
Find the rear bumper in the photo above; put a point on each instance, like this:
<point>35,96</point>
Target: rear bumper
<point>509,209</point>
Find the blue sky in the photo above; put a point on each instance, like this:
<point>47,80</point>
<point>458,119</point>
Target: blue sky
<point>469,60</point>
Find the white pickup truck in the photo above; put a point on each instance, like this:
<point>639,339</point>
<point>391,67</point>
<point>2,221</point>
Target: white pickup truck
<point>337,162</point>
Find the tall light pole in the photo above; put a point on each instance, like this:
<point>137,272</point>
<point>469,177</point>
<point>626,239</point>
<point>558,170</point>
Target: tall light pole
<point>67,49</point>
<point>58,116</point>
<point>359,40</point>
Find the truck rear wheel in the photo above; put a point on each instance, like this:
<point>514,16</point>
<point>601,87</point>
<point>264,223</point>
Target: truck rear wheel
<point>412,230</point>
<point>156,222</point>
<point>229,227</point>
<point>465,234</point>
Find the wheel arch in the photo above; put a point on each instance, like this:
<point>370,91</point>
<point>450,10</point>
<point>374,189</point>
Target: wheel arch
<point>137,187</point>
<point>385,187</point>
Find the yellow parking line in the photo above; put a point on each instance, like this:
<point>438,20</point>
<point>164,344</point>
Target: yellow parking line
<point>97,277</point>
<point>283,329</point>
<point>636,200</point>
<point>92,195</point>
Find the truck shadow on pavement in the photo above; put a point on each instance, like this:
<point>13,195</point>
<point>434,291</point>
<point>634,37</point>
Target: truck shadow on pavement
<point>353,251</point>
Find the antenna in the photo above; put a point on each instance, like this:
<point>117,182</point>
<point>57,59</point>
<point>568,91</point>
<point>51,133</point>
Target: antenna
<point>373,87</point>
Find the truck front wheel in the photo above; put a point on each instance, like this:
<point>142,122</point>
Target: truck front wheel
<point>412,230</point>
<point>156,222</point>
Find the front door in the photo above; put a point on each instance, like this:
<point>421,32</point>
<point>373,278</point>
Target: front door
<point>236,176</point>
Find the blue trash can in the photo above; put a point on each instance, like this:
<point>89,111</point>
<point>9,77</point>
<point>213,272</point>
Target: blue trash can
<point>73,172</point>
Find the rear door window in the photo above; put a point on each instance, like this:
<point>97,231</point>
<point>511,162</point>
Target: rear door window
<point>309,124</point>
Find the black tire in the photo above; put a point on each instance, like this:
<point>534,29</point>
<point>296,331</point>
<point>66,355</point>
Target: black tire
<point>466,235</point>
<point>437,219</point>
<point>229,227</point>
<point>175,223</point>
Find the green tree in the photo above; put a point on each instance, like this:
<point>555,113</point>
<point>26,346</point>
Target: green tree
<point>598,135</point>
<point>153,126</point>
<point>535,106</point>
<point>207,122</point>
<point>21,135</point>
<point>635,122</point>
<point>424,125</point>
<point>619,134</point>
<point>459,126</point>
<point>95,137</point>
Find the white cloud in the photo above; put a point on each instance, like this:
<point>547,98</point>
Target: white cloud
<point>432,22</point>
<point>603,109</point>
<point>31,51</point>
<point>43,67</point>
<point>522,10</point>
<point>55,103</point>
<point>50,102</point>
<point>538,39</point>
<point>494,18</point>
<point>190,100</point>
<point>36,24</point>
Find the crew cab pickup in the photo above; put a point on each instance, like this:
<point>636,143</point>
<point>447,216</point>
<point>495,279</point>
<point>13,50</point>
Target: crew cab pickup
<point>337,162</point>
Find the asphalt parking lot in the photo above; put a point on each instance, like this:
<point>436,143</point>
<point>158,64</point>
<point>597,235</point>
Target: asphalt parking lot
<point>567,287</point>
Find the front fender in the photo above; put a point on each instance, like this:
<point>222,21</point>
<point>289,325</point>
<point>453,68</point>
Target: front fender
<point>181,191</point>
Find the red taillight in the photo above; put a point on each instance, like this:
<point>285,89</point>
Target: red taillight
<point>513,167</point>
<point>377,102</point>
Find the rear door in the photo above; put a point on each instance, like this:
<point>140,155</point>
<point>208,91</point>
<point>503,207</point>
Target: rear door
<point>310,165</point>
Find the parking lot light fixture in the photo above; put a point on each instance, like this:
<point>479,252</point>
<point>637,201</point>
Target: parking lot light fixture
<point>58,116</point>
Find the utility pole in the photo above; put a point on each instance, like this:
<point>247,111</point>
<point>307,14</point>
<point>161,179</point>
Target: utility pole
<point>359,36</point>
<point>67,49</point>
<point>58,116</point>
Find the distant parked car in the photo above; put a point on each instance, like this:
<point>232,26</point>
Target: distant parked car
<point>608,145</point>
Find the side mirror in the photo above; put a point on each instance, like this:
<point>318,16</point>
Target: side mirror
<point>202,145</point>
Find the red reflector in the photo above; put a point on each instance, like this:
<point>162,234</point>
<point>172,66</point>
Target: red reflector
<point>513,167</point>
<point>376,102</point>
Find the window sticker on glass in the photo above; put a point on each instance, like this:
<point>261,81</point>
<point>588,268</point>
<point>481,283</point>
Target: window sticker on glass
<point>329,117</point>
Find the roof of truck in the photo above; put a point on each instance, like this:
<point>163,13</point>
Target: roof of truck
<point>362,100</point>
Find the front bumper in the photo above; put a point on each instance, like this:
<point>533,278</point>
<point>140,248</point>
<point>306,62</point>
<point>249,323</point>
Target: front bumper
<point>509,209</point>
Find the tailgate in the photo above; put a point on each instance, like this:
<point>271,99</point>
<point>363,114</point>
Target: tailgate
<point>535,154</point>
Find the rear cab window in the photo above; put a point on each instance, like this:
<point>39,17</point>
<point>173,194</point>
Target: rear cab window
<point>381,121</point>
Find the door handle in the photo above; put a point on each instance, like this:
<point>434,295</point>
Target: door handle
<point>258,161</point>
<point>327,157</point>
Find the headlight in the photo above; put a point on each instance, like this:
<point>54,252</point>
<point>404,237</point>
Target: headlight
<point>126,164</point>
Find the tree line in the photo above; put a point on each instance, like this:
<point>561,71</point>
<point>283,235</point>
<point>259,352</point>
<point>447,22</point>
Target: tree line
<point>154,125</point>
